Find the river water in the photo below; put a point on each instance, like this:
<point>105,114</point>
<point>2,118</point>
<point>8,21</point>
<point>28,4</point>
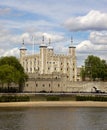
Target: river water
<point>56,118</point>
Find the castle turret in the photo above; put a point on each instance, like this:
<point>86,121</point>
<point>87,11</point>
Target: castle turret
<point>50,48</point>
<point>43,57</point>
<point>72,54</point>
<point>22,53</point>
<point>72,49</point>
<point>23,50</point>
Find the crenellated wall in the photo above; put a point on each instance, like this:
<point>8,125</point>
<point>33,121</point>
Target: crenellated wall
<point>47,62</point>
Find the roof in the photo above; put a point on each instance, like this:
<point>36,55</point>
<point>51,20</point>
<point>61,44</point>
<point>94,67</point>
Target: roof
<point>43,45</point>
<point>50,47</point>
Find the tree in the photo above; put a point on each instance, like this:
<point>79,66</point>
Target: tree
<point>13,61</point>
<point>82,73</point>
<point>12,71</point>
<point>8,74</point>
<point>95,68</point>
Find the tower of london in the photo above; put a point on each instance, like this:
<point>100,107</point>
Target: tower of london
<point>51,72</point>
<point>47,70</point>
<point>47,62</point>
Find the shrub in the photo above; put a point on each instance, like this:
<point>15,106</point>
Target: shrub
<point>91,98</point>
<point>52,98</point>
<point>14,98</point>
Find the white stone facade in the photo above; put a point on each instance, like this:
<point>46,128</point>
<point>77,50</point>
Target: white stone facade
<point>52,72</point>
<point>47,62</point>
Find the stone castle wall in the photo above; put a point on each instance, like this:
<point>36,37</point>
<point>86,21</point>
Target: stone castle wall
<point>48,62</point>
<point>58,85</point>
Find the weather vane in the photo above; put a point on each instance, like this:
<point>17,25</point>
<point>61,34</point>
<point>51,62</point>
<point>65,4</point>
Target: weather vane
<point>71,40</point>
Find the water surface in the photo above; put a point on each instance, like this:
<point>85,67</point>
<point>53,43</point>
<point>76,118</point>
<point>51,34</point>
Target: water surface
<point>53,118</point>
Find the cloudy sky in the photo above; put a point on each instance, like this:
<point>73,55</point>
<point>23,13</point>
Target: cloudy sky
<point>84,21</point>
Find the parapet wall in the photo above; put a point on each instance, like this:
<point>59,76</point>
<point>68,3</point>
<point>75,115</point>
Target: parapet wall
<point>87,86</point>
<point>57,85</point>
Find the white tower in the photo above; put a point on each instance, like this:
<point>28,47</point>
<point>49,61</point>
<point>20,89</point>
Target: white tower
<point>43,57</point>
<point>22,52</point>
<point>73,61</point>
<point>50,48</point>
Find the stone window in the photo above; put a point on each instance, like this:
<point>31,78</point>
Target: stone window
<point>58,85</point>
<point>36,85</point>
<point>49,85</point>
<point>43,85</point>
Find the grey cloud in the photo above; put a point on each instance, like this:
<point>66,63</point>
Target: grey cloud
<point>98,37</point>
<point>87,47</point>
<point>94,20</point>
<point>4,11</point>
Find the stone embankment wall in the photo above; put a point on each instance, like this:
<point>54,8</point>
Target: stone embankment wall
<point>87,86</point>
<point>63,86</point>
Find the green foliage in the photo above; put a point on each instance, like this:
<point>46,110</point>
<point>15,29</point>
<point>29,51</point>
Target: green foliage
<point>12,61</point>
<point>11,71</point>
<point>82,73</point>
<point>8,74</point>
<point>14,98</point>
<point>94,69</point>
<point>8,90</point>
<point>53,98</point>
<point>91,98</point>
